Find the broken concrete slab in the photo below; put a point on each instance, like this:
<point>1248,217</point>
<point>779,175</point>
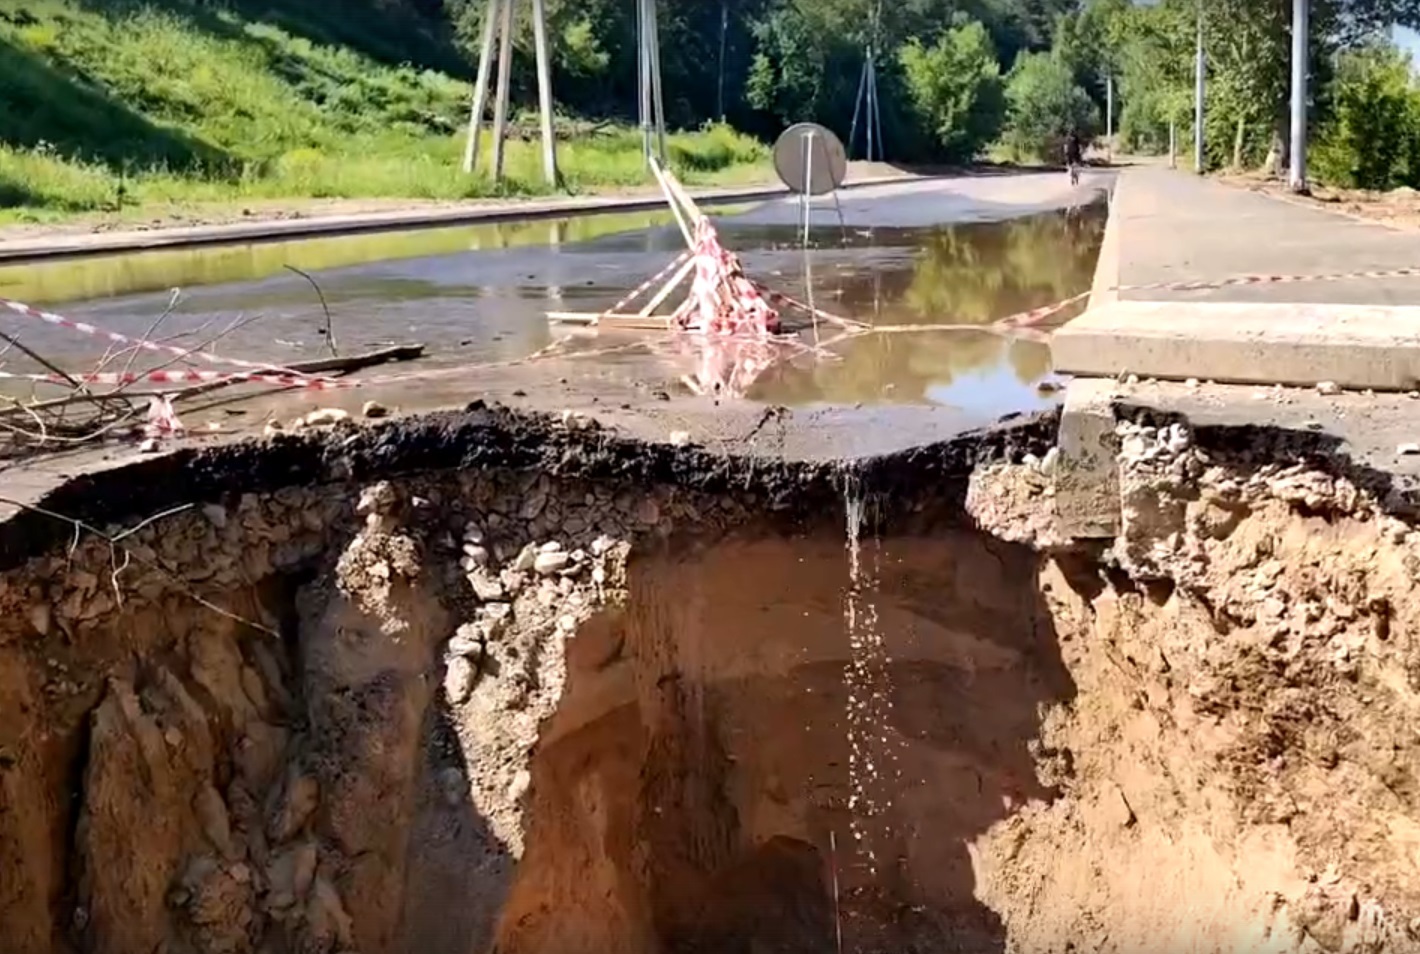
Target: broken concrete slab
<point>1086,476</point>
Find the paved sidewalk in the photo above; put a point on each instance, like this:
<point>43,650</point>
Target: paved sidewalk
<point>1168,226</point>
<point>1177,227</point>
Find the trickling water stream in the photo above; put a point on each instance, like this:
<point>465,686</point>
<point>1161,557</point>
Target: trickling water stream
<point>872,762</point>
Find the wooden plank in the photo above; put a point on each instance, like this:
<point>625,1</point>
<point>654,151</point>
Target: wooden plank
<point>610,322</point>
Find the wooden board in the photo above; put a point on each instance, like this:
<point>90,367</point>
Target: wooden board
<point>610,322</point>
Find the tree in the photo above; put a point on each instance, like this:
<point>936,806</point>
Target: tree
<point>1045,104</point>
<point>1367,141</point>
<point>956,90</point>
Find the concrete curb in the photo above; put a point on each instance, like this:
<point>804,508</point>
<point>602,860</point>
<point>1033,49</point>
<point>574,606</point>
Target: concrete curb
<point>1301,345</point>
<point>1104,287</point>
<point>76,246</point>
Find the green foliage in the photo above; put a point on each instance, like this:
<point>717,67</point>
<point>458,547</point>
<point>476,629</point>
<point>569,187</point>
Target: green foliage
<point>103,107</point>
<point>956,90</point>
<point>1368,141</point>
<point>1045,105</point>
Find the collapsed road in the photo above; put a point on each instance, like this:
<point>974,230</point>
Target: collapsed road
<point>489,679</point>
<point>583,667</point>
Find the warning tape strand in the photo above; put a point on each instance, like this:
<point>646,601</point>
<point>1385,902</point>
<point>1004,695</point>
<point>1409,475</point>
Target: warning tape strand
<point>181,376</point>
<point>82,327</point>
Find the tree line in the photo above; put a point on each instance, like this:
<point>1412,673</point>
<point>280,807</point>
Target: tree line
<point>959,79</point>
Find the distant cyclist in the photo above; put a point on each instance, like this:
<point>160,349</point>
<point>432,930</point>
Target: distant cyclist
<point>1074,156</point>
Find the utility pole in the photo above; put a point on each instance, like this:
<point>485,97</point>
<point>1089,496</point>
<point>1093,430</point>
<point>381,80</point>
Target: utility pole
<point>505,79</point>
<point>1198,68</point>
<point>720,82</point>
<point>544,92</point>
<point>1297,174</point>
<point>1109,115</point>
<point>480,85</point>
<point>498,31</point>
<point>653,119</point>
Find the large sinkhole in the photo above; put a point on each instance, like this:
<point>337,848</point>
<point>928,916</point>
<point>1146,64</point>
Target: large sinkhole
<point>556,697</point>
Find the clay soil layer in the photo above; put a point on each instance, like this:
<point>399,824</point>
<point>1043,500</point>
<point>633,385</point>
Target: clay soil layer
<point>487,681</point>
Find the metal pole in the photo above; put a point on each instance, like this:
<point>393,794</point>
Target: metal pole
<point>720,82</point>
<point>1297,177</point>
<point>857,107</point>
<point>1198,69</point>
<point>872,104</point>
<point>643,81</point>
<point>1109,114</point>
<point>878,112</point>
<point>500,103</point>
<point>480,86</point>
<point>544,91</point>
<point>658,105</point>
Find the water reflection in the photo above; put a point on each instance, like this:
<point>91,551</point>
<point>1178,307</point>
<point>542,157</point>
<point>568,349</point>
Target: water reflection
<point>111,275</point>
<point>967,274</point>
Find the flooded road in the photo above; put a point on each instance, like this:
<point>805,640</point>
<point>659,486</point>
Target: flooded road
<point>480,294</point>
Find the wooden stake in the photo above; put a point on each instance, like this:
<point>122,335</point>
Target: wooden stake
<point>544,92</point>
<point>664,179</point>
<point>500,103</point>
<point>480,87</point>
<point>670,286</point>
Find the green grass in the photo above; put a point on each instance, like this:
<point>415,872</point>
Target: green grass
<point>106,107</point>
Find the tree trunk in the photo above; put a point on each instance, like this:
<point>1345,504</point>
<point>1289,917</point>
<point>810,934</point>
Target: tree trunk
<point>1239,138</point>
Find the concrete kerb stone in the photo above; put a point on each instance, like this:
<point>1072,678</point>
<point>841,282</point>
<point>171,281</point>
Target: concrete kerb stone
<point>74,246</point>
<point>1353,346</point>
<point>1086,473</point>
<point>1104,287</point>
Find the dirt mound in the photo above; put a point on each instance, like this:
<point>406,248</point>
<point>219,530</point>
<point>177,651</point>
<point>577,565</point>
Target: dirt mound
<point>529,708</point>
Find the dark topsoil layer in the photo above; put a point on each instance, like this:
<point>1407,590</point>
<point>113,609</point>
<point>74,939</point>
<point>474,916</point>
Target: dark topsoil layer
<point>481,436</point>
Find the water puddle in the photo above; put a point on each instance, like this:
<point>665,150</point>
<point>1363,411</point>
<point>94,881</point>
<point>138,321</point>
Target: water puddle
<point>481,295</point>
<point>106,276</point>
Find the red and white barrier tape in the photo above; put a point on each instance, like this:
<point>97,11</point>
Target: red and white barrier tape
<point>1040,314</point>
<point>59,321</point>
<point>646,286</point>
<point>182,376</point>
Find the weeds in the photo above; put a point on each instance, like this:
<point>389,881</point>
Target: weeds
<point>138,107</point>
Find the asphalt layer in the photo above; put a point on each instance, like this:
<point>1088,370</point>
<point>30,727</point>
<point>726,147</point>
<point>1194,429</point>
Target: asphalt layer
<point>1176,227</point>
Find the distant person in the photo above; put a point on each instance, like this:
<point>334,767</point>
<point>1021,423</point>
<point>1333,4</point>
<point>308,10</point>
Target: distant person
<point>1074,156</point>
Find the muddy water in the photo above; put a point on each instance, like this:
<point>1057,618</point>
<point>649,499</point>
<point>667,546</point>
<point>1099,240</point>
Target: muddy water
<point>475,295</point>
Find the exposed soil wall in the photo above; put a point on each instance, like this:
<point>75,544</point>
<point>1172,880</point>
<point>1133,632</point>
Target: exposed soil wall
<point>489,683</point>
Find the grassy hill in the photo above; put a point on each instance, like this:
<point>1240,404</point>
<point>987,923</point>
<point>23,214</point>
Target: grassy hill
<point>107,105</point>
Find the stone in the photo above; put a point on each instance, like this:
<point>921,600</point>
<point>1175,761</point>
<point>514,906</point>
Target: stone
<point>485,586</point>
<point>148,446</point>
<point>602,544</point>
<point>519,786</point>
<point>216,515</point>
<point>567,623</point>
<point>374,409</point>
<point>467,641</point>
<point>458,680</point>
<point>547,564</point>
<point>326,417</point>
<point>476,554</point>
<point>680,438</point>
<point>1408,449</point>
<point>1328,387</point>
<point>527,557</point>
<point>551,546</point>
<point>40,615</point>
<point>648,512</point>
